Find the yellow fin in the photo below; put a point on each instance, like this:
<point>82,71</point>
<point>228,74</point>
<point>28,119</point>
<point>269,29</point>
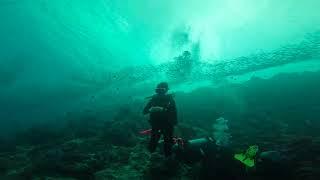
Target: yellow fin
<point>239,156</point>
<point>245,160</point>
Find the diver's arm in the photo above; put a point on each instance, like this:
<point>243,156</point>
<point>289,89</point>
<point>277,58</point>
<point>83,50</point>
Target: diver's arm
<point>146,109</point>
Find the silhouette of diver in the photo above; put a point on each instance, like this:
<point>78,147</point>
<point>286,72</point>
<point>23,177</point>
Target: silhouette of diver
<point>163,117</point>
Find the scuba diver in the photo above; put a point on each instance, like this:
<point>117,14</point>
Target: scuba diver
<point>216,162</point>
<point>162,118</point>
<point>182,66</point>
<point>221,162</point>
<point>185,61</point>
<point>185,64</point>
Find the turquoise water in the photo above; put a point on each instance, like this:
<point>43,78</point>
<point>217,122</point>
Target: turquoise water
<point>56,55</point>
<point>83,68</point>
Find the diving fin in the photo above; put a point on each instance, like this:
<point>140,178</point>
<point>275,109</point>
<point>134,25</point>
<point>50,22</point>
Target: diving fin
<point>248,158</point>
<point>245,160</point>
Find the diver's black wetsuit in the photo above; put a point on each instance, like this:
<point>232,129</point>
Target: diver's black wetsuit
<point>216,162</point>
<point>162,123</point>
<point>219,163</point>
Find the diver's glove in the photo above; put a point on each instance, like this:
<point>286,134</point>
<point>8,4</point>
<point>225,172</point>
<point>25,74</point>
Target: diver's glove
<point>156,109</point>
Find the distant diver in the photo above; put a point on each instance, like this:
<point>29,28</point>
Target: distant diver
<point>162,118</point>
<point>182,66</point>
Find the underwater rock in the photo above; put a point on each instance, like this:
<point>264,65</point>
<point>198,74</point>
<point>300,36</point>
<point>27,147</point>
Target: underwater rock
<point>75,168</point>
<point>16,164</point>
<point>124,128</point>
<point>121,133</point>
<point>139,165</point>
<point>305,171</point>
<point>139,158</point>
<point>105,174</point>
<point>25,172</point>
<point>125,163</point>
<point>163,168</point>
<point>4,165</point>
<point>84,124</point>
<point>78,158</point>
<point>74,145</point>
<point>54,178</point>
<point>119,155</point>
<point>40,134</point>
<point>121,173</point>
